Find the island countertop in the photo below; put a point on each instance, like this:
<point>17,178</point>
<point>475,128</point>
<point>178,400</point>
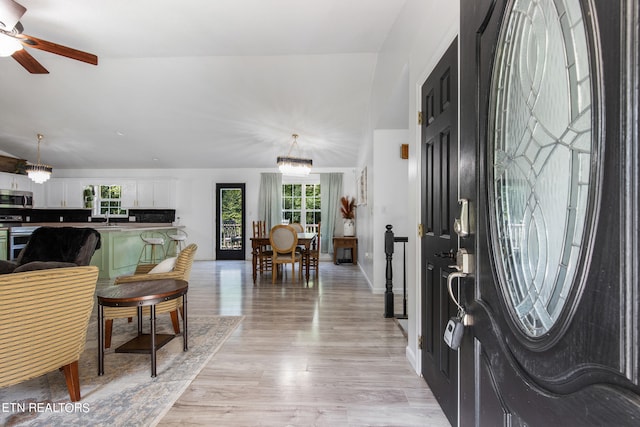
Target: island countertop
<point>116,226</point>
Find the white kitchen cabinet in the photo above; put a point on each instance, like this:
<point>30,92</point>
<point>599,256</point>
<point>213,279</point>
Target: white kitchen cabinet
<point>39,200</point>
<point>150,194</point>
<point>64,193</point>
<point>144,193</point>
<point>12,181</point>
<point>129,195</point>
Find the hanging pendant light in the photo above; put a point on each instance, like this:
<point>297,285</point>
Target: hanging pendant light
<point>296,166</point>
<point>39,173</point>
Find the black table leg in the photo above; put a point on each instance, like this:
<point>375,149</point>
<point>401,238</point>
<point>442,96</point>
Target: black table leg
<point>152,308</point>
<point>100,340</point>
<point>184,322</point>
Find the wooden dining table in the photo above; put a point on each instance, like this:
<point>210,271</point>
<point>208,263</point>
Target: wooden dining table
<point>308,240</point>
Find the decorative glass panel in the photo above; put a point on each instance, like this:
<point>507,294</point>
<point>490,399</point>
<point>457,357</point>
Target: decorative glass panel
<point>541,151</point>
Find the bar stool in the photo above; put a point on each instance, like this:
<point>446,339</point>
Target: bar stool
<point>177,241</point>
<point>154,243</point>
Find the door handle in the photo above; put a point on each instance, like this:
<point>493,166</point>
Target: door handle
<point>464,261</point>
<point>461,225</point>
<point>464,267</point>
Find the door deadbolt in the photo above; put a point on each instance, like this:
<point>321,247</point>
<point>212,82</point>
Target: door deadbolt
<point>461,225</point>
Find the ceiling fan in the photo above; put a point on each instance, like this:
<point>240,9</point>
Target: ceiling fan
<point>12,41</point>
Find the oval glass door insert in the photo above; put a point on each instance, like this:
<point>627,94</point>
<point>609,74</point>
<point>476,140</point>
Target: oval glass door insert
<point>541,150</point>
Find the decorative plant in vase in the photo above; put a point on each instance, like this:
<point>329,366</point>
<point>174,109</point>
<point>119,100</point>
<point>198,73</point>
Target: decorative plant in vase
<point>348,212</point>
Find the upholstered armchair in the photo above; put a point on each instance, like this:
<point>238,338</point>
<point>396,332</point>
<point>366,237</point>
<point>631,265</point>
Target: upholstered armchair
<point>55,247</point>
<point>44,316</point>
<point>180,270</point>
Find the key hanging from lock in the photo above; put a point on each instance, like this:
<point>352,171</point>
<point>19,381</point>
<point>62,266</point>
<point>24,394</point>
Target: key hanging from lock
<point>454,331</point>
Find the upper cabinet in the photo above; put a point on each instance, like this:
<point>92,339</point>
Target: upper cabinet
<point>64,193</point>
<point>135,194</point>
<point>149,193</point>
<point>12,181</point>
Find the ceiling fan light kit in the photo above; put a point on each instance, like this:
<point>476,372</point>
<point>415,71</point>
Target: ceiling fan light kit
<point>39,172</point>
<point>8,45</point>
<point>10,14</point>
<point>295,166</point>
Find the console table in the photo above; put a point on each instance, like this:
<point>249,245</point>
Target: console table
<point>139,294</point>
<point>346,243</point>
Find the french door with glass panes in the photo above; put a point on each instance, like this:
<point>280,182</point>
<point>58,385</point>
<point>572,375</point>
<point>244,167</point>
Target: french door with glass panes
<point>230,222</point>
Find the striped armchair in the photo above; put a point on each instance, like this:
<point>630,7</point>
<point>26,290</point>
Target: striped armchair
<point>181,270</point>
<point>44,317</point>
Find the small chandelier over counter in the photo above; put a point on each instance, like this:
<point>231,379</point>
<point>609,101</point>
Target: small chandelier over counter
<point>294,165</point>
<point>39,173</point>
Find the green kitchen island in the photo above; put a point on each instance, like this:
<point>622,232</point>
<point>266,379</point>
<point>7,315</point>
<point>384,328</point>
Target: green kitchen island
<point>121,247</point>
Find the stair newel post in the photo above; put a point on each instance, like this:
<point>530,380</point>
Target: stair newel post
<point>388,293</point>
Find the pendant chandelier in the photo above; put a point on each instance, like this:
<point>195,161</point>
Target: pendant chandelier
<point>296,166</point>
<point>39,173</point>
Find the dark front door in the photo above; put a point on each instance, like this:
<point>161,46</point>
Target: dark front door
<point>549,140</point>
<point>439,206</point>
<point>230,222</point>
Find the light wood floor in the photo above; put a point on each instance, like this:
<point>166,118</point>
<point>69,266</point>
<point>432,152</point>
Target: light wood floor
<point>311,355</point>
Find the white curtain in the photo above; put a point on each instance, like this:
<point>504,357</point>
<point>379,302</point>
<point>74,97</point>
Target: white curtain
<point>330,193</point>
<point>270,199</point>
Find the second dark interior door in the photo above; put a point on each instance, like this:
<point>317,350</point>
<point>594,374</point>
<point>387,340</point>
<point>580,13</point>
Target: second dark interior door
<point>230,222</point>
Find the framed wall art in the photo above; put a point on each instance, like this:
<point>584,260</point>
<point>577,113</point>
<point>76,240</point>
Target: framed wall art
<point>362,187</point>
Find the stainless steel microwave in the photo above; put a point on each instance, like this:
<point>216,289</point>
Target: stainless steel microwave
<point>16,199</point>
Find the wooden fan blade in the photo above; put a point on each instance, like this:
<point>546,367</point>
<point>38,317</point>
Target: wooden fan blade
<point>30,63</point>
<point>58,49</point>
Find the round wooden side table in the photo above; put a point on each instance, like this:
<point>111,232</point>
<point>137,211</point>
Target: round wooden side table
<point>140,294</point>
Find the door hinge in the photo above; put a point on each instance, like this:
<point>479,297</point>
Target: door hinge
<point>420,118</point>
<point>420,342</point>
<point>420,231</point>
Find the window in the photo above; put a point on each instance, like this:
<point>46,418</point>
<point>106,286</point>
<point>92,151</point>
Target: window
<point>109,201</point>
<point>301,203</point>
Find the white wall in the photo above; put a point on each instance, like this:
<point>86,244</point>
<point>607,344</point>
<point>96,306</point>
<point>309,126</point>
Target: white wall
<point>419,37</point>
<point>195,196</point>
<point>389,190</point>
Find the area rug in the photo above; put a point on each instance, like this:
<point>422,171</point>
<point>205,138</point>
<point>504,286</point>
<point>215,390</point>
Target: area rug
<point>125,395</point>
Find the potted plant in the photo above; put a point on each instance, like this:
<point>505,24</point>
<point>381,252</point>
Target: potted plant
<point>348,212</point>
<point>88,195</point>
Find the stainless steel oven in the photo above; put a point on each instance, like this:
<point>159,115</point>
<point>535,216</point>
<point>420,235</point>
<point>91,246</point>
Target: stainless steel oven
<point>18,238</point>
<point>16,199</point>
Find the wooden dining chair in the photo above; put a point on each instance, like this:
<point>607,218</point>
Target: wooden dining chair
<point>314,250</point>
<point>264,251</point>
<point>297,226</point>
<point>284,239</point>
<point>299,229</point>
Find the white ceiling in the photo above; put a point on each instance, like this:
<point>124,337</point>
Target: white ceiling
<point>195,83</point>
